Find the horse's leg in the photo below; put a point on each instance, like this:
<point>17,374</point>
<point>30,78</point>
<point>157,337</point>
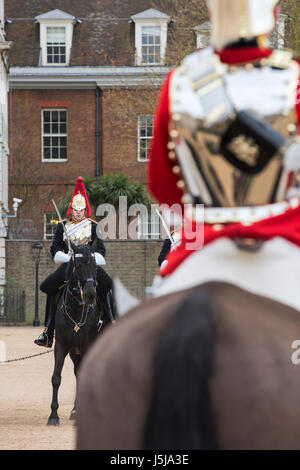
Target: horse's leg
<point>76,358</point>
<point>59,356</point>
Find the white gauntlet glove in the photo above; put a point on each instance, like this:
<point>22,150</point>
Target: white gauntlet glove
<point>61,257</point>
<point>100,261</point>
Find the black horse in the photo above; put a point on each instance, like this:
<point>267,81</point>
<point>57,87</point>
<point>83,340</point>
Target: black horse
<point>78,319</point>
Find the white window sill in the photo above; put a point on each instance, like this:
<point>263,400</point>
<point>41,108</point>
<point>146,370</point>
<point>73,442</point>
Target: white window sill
<point>145,64</point>
<point>61,64</point>
<point>54,160</point>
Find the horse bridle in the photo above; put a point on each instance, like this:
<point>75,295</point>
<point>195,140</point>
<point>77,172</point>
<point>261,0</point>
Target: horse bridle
<point>89,279</point>
<point>78,325</point>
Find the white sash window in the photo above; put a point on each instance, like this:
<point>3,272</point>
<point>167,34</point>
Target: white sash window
<point>149,228</point>
<point>151,45</point>
<point>56,34</point>
<point>151,29</point>
<point>145,122</point>
<point>54,135</point>
<point>56,45</point>
<point>50,225</point>
<point>203,34</point>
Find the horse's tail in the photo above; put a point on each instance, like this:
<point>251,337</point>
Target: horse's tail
<point>180,415</point>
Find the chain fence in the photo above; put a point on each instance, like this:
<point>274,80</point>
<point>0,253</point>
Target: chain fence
<point>26,357</point>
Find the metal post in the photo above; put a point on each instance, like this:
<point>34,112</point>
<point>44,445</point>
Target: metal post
<point>36,253</point>
<point>97,134</point>
<point>36,321</point>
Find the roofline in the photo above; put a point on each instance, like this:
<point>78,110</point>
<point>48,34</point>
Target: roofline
<point>55,20</point>
<point>150,16</point>
<point>66,16</point>
<point>144,19</point>
<point>85,77</point>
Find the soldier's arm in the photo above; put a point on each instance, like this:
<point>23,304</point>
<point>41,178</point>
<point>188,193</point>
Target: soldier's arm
<point>58,243</point>
<point>164,251</point>
<point>97,241</point>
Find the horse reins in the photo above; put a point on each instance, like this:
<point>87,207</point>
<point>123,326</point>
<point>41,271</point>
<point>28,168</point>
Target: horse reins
<point>77,325</point>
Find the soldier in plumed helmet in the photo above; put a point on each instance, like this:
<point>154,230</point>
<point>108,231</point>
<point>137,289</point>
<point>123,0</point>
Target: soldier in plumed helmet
<point>81,230</point>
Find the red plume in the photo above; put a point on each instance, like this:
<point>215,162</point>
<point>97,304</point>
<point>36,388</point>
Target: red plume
<point>79,188</point>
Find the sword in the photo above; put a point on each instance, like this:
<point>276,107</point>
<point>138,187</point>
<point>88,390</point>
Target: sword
<point>165,227</point>
<point>61,221</point>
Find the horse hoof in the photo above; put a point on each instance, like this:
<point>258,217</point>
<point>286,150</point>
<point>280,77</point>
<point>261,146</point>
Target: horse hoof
<point>73,414</point>
<point>53,422</point>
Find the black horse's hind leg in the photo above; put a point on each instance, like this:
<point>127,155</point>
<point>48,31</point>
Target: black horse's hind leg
<point>59,356</point>
<point>76,358</point>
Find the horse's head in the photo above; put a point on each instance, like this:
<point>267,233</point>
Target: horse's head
<point>85,271</point>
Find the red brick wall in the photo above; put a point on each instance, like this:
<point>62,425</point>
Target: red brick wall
<point>120,110</point>
<point>133,262</point>
<point>37,182</point>
<point>25,133</point>
<point>32,180</point>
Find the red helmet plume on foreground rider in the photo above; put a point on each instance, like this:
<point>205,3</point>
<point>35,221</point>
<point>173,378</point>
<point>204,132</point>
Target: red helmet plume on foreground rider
<point>205,363</point>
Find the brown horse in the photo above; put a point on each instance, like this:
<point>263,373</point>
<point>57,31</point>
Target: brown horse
<point>205,368</point>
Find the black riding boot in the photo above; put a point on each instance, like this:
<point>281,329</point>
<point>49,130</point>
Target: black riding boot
<point>109,305</point>
<point>46,338</point>
<point>106,301</point>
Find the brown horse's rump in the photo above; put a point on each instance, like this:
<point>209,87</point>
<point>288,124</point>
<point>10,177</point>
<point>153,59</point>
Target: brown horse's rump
<point>254,388</point>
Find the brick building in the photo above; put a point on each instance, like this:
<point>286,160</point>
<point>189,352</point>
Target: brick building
<point>84,79</point>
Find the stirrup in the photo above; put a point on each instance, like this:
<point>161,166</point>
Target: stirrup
<point>44,341</point>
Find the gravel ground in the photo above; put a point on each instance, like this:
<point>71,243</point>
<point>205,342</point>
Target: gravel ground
<point>25,396</point>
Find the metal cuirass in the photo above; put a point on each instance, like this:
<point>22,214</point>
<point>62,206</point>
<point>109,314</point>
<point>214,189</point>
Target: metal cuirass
<point>231,126</point>
<point>80,233</point>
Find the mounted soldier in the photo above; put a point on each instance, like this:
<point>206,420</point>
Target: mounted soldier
<point>81,230</point>
<point>210,355</point>
<point>169,244</point>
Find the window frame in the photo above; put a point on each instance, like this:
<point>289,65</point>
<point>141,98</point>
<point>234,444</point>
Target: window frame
<point>203,35</point>
<point>202,39</point>
<point>53,160</point>
<point>148,45</point>
<point>162,24</point>
<point>58,45</point>
<point>68,24</point>
<point>139,159</point>
<point>54,217</point>
<point>149,235</point>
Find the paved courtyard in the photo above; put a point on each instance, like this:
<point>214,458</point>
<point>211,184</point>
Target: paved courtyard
<point>25,395</point>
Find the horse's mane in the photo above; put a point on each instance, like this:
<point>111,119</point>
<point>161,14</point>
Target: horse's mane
<point>180,415</point>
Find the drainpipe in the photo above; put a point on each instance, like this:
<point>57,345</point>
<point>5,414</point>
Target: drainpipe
<point>98,94</point>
